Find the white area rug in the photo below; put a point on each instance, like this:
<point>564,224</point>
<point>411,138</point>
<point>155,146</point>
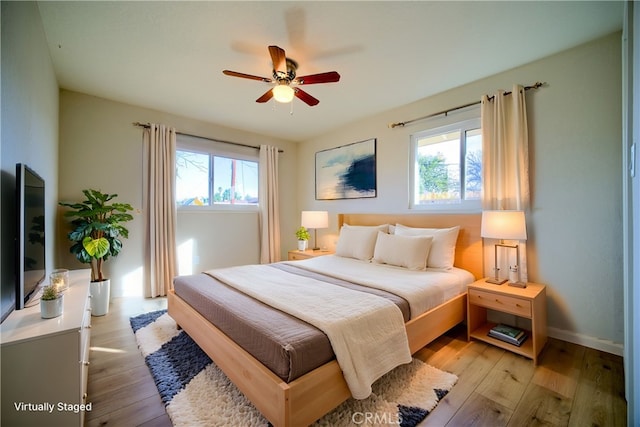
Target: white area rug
<point>197,393</point>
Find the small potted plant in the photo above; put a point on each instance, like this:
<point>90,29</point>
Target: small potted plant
<point>303,238</point>
<point>96,237</point>
<point>50,302</point>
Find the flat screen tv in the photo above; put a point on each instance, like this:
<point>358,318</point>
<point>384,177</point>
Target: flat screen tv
<point>30,233</point>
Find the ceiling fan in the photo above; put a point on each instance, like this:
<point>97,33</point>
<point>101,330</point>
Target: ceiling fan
<point>286,81</point>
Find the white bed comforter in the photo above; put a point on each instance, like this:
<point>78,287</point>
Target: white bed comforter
<point>423,289</point>
<point>366,332</point>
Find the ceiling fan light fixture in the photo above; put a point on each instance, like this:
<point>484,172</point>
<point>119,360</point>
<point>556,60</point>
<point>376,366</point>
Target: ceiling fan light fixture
<point>284,75</point>
<point>283,93</point>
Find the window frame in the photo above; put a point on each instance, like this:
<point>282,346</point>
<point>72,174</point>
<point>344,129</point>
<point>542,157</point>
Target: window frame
<point>218,149</point>
<point>463,205</point>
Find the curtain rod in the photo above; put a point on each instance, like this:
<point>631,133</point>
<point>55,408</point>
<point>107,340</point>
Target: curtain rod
<point>536,85</point>
<point>147,125</point>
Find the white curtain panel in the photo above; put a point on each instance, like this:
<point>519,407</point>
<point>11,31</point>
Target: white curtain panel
<point>505,152</point>
<point>159,201</point>
<point>269,202</point>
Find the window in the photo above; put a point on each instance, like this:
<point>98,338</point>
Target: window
<point>209,176</point>
<point>446,167</point>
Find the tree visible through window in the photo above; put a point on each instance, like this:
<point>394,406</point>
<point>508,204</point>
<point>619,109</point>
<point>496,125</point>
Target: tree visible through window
<point>205,179</point>
<point>447,165</point>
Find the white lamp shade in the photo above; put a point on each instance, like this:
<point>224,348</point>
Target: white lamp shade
<point>315,219</point>
<point>507,225</point>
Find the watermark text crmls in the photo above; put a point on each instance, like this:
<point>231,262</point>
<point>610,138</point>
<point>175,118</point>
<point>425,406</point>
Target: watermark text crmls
<point>376,418</point>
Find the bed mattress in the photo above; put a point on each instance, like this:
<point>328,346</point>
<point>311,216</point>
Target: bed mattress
<point>283,343</point>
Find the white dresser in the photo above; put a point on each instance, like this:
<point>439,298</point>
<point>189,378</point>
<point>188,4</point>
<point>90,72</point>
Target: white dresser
<point>45,361</point>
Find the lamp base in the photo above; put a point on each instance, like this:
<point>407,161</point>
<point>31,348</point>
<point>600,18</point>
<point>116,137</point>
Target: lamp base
<point>518,284</point>
<point>495,281</point>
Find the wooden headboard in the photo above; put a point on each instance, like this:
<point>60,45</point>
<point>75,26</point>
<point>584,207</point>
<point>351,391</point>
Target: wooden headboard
<point>468,247</point>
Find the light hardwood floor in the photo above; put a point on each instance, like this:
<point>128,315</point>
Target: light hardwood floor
<point>571,386</point>
<point>120,385</point>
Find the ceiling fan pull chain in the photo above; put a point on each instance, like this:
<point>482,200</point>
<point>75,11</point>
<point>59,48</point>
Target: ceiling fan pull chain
<point>291,112</point>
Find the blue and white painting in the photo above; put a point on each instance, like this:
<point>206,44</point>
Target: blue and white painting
<point>347,172</point>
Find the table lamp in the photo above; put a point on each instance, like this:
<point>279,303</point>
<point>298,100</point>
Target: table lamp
<point>315,220</point>
<point>504,225</point>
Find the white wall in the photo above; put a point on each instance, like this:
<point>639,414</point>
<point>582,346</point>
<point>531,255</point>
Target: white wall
<point>29,122</point>
<point>231,240</point>
<point>100,148</point>
<point>574,224</point>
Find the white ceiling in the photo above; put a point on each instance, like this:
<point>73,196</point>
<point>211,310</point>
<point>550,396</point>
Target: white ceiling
<point>169,55</point>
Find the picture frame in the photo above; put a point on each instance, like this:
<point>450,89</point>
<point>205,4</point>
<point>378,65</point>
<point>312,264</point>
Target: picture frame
<point>347,172</point>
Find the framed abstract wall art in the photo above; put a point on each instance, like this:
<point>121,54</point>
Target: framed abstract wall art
<point>347,172</point>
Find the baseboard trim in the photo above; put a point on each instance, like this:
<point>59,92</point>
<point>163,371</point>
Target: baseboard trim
<point>586,341</point>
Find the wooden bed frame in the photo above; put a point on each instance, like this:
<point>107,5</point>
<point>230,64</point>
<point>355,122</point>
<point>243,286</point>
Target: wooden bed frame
<point>308,398</point>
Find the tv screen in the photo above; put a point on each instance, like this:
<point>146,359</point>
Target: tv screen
<point>31,251</point>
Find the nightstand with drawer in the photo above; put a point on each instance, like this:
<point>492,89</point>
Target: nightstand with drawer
<point>529,303</point>
<point>295,255</point>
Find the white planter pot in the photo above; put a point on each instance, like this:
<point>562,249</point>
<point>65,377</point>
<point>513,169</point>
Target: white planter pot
<point>100,294</point>
<point>51,308</point>
<point>302,245</point>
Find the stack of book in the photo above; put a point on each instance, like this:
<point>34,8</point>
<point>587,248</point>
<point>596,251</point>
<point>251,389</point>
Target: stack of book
<point>508,334</point>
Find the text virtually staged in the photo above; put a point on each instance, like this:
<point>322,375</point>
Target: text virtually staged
<point>51,407</point>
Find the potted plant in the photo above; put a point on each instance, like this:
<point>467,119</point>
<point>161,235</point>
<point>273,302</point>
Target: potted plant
<point>96,237</point>
<point>303,237</point>
<point>50,302</point>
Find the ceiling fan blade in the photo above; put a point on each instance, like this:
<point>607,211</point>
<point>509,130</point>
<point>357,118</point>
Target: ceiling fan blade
<point>266,97</point>
<point>279,59</point>
<point>305,97</point>
<point>329,77</point>
<point>246,76</point>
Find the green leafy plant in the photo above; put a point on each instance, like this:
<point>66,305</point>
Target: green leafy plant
<point>49,293</point>
<point>97,229</point>
<point>302,234</point>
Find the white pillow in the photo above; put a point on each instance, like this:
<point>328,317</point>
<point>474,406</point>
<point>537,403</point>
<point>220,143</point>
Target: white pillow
<point>402,251</point>
<point>358,241</point>
<point>443,247</point>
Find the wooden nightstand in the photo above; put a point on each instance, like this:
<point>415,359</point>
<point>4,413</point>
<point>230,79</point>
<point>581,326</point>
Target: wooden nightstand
<point>296,255</point>
<point>529,303</point>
